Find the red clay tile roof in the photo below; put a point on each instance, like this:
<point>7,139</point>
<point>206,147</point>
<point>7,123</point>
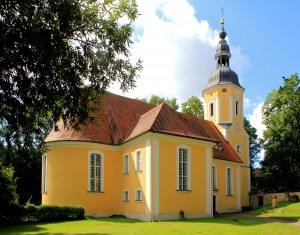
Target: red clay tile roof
<point>121,119</point>
<point>257,172</point>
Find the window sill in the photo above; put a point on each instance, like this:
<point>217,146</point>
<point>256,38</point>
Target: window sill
<point>187,191</point>
<point>95,191</point>
<point>140,171</point>
<point>126,201</point>
<point>229,195</point>
<point>126,174</point>
<point>215,189</point>
<point>138,201</point>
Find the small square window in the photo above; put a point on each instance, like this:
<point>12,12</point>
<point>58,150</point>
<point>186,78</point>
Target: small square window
<point>138,195</point>
<point>238,148</point>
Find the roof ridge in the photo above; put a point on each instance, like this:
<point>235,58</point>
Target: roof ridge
<point>140,127</point>
<point>114,120</point>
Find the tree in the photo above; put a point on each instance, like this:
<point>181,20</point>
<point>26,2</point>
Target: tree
<point>193,106</point>
<point>156,100</point>
<point>254,143</point>
<point>281,112</point>
<point>8,187</point>
<point>51,49</point>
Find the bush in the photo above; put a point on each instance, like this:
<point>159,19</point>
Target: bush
<point>49,213</point>
<point>295,198</point>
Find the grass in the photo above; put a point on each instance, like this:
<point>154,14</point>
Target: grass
<point>284,210</point>
<point>223,225</point>
<point>106,226</point>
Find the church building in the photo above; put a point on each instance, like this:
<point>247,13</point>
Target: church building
<point>153,163</point>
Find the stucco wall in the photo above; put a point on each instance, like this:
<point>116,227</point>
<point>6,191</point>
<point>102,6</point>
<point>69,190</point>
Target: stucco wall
<point>254,198</point>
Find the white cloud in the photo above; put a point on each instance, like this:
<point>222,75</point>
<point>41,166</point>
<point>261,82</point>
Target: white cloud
<point>255,120</point>
<point>177,51</point>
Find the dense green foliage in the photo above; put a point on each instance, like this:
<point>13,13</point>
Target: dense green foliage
<point>193,106</point>
<point>156,100</point>
<point>255,144</point>
<point>8,188</point>
<point>32,213</point>
<point>44,213</point>
<point>281,112</point>
<point>51,48</point>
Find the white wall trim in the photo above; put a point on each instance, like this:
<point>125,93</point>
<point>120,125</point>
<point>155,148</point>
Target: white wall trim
<point>148,176</point>
<point>238,185</point>
<point>208,181</point>
<point>230,109</point>
<point>155,176</point>
<point>218,109</point>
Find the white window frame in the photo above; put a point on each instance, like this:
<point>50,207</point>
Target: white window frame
<point>126,195</point>
<point>229,182</point>
<point>138,195</point>
<point>215,177</point>
<point>211,108</point>
<point>138,160</point>
<point>237,108</point>
<point>44,172</point>
<point>101,189</point>
<point>126,164</point>
<point>239,148</point>
<point>180,184</point>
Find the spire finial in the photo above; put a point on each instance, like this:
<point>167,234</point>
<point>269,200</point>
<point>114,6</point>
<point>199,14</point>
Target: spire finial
<point>222,34</point>
<point>222,19</point>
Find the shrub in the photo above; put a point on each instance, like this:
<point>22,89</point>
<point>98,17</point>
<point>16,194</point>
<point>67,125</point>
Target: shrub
<point>52,213</point>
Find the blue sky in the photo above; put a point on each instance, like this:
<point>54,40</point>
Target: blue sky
<point>176,40</point>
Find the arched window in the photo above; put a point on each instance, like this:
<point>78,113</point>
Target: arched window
<point>237,108</point>
<point>44,172</point>
<point>211,109</point>
<point>214,176</point>
<point>229,179</point>
<point>183,168</point>
<point>95,171</point>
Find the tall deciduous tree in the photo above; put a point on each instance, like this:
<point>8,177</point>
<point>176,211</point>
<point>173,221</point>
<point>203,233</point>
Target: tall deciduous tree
<point>158,100</point>
<point>51,48</point>
<point>281,111</point>
<point>193,106</point>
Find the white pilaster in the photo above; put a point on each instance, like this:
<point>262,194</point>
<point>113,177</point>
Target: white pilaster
<point>155,176</point>
<point>208,182</point>
<point>148,176</point>
<point>238,188</point>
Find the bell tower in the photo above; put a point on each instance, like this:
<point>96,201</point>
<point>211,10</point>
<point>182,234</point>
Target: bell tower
<point>223,105</point>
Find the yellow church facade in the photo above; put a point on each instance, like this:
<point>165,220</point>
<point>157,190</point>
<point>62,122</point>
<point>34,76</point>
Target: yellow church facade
<point>151,162</point>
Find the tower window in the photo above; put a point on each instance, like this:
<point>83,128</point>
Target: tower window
<point>211,109</point>
<point>237,108</point>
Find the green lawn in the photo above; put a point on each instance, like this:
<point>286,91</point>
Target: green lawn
<point>105,226</point>
<point>284,210</point>
<point>223,225</point>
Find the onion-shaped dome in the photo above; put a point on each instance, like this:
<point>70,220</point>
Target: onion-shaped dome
<point>222,47</point>
<point>223,75</point>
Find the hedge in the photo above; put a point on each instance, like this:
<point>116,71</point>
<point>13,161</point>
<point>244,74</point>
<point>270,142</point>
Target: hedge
<point>45,213</point>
